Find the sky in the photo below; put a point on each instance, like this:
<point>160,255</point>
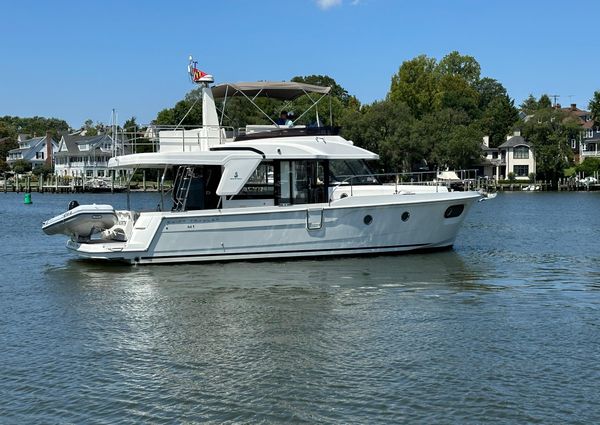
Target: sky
<point>77,60</point>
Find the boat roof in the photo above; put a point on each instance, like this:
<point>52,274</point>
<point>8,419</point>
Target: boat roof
<point>165,159</point>
<point>285,148</point>
<point>301,147</point>
<point>281,90</point>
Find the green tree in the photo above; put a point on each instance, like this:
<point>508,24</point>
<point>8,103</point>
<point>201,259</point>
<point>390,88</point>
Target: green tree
<point>34,126</point>
<point>187,112</point>
<point>131,125</point>
<point>463,147</point>
<point>8,139</point>
<point>21,166</point>
<point>498,119</point>
<point>488,90</point>
<point>434,132</point>
<point>463,66</point>
<point>529,105</point>
<point>594,106</point>
<point>416,85</point>
<point>4,166</point>
<point>88,127</point>
<point>43,170</point>
<point>337,91</point>
<point>549,131</point>
<point>384,127</point>
<point>589,166</point>
<point>454,92</point>
<point>544,102</point>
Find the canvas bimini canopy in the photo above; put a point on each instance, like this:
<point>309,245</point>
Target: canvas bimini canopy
<point>284,90</point>
<point>279,90</point>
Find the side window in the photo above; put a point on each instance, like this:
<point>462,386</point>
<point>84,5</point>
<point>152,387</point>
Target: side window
<point>261,184</point>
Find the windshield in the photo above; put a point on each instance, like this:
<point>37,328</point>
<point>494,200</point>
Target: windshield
<point>353,171</point>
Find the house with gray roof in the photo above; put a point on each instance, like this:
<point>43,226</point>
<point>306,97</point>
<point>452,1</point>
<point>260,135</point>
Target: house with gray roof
<point>515,155</point>
<point>37,151</point>
<point>85,156</point>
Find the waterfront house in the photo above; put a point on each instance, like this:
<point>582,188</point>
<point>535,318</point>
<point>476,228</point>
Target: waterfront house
<point>587,144</point>
<point>85,156</point>
<point>37,151</point>
<point>490,166</point>
<point>515,156</point>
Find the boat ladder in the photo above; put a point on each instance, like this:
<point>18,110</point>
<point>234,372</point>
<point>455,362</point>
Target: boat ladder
<point>183,180</point>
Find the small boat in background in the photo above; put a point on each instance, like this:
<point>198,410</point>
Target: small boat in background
<point>98,185</point>
<point>485,195</point>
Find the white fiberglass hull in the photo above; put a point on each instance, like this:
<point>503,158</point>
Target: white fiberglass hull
<point>350,226</point>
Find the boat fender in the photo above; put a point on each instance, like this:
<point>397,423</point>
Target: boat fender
<point>73,204</point>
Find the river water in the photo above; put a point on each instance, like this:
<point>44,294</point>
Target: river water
<point>504,328</point>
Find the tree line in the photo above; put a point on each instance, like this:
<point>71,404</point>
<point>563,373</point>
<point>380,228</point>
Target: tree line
<point>434,116</point>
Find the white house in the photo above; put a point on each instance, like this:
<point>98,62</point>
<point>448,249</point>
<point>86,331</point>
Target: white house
<point>85,156</point>
<point>38,151</point>
<point>515,156</point>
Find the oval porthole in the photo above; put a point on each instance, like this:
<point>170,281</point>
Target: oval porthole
<point>405,216</point>
<point>368,219</point>
<point>454,211</point>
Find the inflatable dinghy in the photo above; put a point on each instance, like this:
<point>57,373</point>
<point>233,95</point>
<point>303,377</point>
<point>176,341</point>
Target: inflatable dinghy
<point>82,221</point>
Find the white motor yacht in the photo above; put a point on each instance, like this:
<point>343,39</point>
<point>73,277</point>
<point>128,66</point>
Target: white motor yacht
<point>268,192</point>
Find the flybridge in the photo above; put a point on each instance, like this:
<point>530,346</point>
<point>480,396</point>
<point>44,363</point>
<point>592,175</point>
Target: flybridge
<point>212,132</point>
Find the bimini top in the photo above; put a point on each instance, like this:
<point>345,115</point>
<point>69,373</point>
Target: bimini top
<point>281,90</point>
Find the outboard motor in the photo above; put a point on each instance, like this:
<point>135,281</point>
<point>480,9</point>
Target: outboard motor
<point>73,204</point>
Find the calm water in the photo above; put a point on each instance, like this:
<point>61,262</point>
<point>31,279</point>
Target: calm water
<point>503,329</point>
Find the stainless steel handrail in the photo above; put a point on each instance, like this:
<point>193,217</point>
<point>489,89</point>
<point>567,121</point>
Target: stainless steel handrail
<point>398,180</point>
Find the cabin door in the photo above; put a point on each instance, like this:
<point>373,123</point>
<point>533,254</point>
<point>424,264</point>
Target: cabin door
<point>301,182</point>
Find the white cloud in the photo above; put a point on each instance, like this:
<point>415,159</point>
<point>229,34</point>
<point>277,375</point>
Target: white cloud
<point>327,4</point>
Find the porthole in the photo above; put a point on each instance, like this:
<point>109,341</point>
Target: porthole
<point>454,211</point>
<point>368,219</point>
<point>405,216</point>
<point>343,195</point>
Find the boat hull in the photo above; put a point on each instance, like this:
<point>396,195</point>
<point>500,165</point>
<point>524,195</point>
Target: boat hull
<point>350,226</point>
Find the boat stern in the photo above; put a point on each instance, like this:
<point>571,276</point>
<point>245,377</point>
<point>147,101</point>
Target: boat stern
<point>99,250</point>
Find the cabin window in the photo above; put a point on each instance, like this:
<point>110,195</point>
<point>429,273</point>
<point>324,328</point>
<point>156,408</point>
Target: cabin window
<point>89,173</point>
<point>261,184</point>
<point>352,171</point>
<point>521,152</point>
<point>100,173</point>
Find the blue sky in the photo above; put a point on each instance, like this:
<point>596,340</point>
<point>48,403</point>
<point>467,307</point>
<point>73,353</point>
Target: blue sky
<point>79,59</point>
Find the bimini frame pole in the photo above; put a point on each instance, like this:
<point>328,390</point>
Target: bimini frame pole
<point>257,107</point>
<point>314,105</point>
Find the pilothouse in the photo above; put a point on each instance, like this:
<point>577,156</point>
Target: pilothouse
<point>265,191</point>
